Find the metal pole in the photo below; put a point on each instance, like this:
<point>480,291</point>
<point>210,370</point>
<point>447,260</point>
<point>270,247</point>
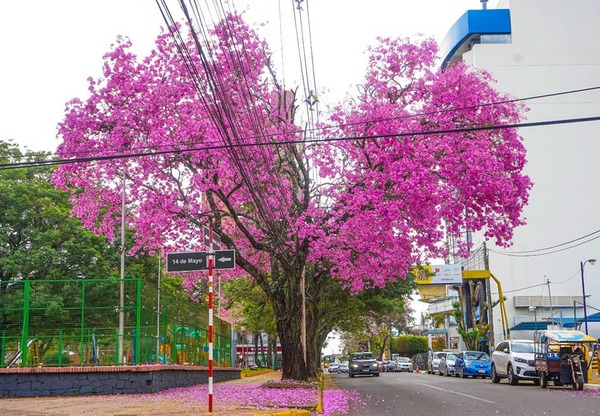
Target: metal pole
<point>574,316</point>
<point>550,298</point>
<point>303,329</point>
<point>210,322</point>
<point>158,313</point>
<point>584,302</point>
<point>488,287</point>
<point>122,285</point>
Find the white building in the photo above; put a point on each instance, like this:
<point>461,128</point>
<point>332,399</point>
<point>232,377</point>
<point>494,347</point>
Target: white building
<point>534,48</point>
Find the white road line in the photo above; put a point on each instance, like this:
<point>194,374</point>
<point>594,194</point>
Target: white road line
<point>457,392</point>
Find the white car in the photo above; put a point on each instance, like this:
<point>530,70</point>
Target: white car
<point>334,368</point>
<point>514,360</point>
<point>403,364</point>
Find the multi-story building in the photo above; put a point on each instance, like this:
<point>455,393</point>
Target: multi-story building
<point>546,51</point>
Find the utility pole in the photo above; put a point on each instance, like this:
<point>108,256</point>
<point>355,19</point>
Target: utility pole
<point>121,335</point>
<point>550,298</point>
<point>488,290</point>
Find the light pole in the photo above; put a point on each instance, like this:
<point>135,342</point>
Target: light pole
<point>534,310</point>
<point>583,263</point>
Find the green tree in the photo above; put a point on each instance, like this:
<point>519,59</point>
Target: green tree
<point>409,345</point>
<point>41,240</point>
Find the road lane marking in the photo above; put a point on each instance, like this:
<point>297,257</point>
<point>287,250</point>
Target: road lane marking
<point>457,392</point>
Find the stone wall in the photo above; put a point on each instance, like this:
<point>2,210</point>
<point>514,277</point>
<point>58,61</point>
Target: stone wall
<point>77,381</point>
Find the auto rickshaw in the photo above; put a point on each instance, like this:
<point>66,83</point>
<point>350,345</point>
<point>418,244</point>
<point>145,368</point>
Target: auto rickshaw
<point>562,357</point>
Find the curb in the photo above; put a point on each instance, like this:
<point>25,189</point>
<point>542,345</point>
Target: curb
<point>287,413</point>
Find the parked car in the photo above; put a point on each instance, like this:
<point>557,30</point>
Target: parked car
<point>403,364</point>
<point>473,364</point>
<point>514,360</point>
<point>334,368</point>
<point>363,363</point>
<point>433,362</point>
<point>344,368</point>
<point>446,365</point>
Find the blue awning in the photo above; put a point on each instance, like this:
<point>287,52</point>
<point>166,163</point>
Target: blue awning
<point>436,331</point>
<point>470,26</point>
<point>531,326</point>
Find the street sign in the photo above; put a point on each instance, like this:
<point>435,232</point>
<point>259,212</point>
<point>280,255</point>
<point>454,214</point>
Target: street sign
<point>216,239</point>
<point>225,259</point>
<point>186,262</point>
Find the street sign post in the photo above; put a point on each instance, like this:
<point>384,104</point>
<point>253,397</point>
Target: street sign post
<point>186,262</point>
<point>201,260</point>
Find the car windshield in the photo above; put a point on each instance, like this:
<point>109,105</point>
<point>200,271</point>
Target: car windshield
<point>404,360</point>
<point>477,355</point>
<point>364,356</point>
<point>439,355</point>
<point>522,346</point>
<point>451,357</point>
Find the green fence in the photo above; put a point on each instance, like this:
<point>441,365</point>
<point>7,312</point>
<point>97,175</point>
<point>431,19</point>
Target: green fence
<point>76,322</point>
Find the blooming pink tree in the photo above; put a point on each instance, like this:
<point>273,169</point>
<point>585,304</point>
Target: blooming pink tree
<point>209,138</point>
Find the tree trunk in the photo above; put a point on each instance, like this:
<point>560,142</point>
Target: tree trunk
<point>287,303</point>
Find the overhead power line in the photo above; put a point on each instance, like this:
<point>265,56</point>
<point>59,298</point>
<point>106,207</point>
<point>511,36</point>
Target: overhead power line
<point>407,116</point>
<point>502,253</point>
<point>554,246</point>
<point>306,141</point>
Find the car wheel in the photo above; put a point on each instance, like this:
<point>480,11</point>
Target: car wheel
<point>494,376</point>
<point>512,379</point>
<point>543,380</point>
<point>536,382</point>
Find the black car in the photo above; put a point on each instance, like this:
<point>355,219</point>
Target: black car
<point>363,364</point>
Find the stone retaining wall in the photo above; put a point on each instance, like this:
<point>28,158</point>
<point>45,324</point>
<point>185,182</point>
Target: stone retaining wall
<point>77,381</point>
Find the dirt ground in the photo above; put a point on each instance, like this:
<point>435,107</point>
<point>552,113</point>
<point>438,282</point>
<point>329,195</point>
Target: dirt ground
<point>130,405</point>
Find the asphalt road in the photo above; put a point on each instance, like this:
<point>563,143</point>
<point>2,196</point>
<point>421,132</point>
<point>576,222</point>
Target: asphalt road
<point>421,394</point>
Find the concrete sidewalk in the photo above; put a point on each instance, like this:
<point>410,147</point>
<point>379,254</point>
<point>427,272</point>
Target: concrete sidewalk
<point>146,404</point>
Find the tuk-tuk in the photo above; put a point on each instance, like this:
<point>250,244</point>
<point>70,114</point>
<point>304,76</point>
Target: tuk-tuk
<point>562,357</point>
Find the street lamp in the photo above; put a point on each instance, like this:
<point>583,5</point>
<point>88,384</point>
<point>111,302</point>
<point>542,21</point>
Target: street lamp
<point>583,263</point>
<point>534,310</point>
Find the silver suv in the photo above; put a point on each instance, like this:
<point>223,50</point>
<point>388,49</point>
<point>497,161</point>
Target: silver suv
<point>514,360</point>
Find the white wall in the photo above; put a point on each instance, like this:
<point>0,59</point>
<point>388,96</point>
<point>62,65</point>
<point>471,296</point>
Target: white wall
<point>555,47</point>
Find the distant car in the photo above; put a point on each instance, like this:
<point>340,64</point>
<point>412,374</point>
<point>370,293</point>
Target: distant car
<point>514,360</point>
<point>403,364</point>
<point>334,368</point>
<point>363,363</point>
<point>433,362</point>
<point>446,365</point>
<point>343,368</point>
<point>473,364</point>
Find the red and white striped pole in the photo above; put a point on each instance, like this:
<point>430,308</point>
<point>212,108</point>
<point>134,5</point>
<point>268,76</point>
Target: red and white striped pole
<point>210,322</point>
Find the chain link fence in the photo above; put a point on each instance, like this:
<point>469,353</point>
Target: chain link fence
<point>76,322</point>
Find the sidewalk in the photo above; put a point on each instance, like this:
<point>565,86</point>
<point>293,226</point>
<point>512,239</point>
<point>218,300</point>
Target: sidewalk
<point>184,401</point>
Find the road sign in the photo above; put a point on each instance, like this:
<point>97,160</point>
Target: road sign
<point>216,239</point>
<point>186,262</point>
<point>225,259</point>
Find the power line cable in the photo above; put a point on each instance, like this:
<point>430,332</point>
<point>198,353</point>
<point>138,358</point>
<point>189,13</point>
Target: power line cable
<point>551,247</point>
<point>377,120</point>
<point>315,141</point>
<point>546,253</point>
